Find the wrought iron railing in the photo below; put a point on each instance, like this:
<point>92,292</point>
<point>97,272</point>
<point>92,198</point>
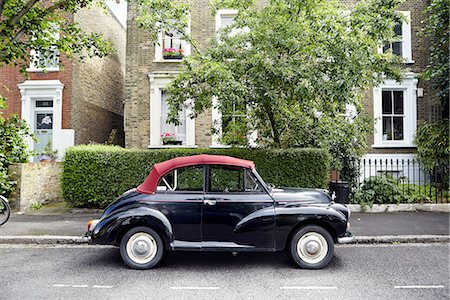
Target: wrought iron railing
<point>413,177</point>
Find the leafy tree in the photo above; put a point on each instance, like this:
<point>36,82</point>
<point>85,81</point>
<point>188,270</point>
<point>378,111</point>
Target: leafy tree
<point>286,61</point>
<point>432,138</point>
<point>437,30</point>
<point>31,24</point>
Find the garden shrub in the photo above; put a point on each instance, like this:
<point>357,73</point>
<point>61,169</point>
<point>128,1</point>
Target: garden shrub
<point>388,190</point>
<point>94,175</point>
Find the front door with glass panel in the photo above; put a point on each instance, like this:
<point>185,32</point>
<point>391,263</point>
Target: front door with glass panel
<point>43,124</point>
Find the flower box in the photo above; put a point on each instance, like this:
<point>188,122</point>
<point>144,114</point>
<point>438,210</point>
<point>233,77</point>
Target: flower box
<point>172,142</point>
<point>173,56</point>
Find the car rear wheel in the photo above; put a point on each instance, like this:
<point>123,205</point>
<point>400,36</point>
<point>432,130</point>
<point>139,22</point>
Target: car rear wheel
<point>312,247</point>
<point>141,248</point>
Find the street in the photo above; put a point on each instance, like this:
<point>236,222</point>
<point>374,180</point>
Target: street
<point>406,271</point>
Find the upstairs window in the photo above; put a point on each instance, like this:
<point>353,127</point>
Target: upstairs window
<point>46,59</point>
<point>396,46</point>
<point>224,18</point>
<point>401,45</point>
<point>171,46</point>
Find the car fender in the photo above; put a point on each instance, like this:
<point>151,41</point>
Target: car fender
<point>111,228</point>
<point>290,218</point>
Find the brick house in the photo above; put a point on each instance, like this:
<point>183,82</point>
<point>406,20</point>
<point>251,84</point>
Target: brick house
<point>397,107</point>
<point>79,103</point>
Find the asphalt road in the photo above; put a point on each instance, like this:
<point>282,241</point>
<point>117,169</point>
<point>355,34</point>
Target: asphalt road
<point>409,271</point>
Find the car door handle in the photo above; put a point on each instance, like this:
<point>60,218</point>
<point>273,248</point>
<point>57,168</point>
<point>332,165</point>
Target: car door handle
<point>209,202</point>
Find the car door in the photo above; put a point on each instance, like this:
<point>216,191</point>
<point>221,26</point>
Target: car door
<point>180,198</point>
<point>237,211</point>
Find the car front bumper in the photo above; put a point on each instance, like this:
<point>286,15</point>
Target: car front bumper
<point>346,238</point>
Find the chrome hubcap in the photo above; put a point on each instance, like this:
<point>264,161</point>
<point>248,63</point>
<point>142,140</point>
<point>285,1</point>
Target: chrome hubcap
<point>312,247</point>
<point>141,248</point>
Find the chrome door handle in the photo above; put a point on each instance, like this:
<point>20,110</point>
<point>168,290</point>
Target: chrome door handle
<point>210,202</point>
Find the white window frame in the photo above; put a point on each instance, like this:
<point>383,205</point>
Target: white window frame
<point>34,53</point>
<point>223,12</point>
<point>409,88</point>
<point>159,48</point>
<point>158,83</point>
<point>406,38</point>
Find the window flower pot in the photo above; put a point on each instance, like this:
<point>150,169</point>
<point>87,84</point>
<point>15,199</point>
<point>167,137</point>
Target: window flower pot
<point>172,142</point>
<point>173,57</point>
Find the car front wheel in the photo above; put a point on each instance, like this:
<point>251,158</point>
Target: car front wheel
<point>312,247</point>
<point>141,248</point>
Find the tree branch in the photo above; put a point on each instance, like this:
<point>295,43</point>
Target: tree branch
<point>2,3</point>
<point>24,10</point>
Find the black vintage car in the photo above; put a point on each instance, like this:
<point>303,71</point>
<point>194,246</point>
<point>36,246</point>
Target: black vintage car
<point>219,203</point>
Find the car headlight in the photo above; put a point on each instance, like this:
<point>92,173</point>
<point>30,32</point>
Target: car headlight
<point>92,224</point>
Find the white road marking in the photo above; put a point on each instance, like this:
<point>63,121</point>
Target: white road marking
<point>79,285</point>
<point>419,287</point>
<point>308,287</point>
<point>195,288</point>
<point>61,285</point>
<point>84,286</point>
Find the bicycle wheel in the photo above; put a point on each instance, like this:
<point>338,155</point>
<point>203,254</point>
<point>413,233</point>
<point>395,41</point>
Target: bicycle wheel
<point>5,210</point>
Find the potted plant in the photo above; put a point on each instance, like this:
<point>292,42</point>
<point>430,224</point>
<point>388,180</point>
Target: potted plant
<point>48,154</point>
<point>172,53</point>
<point>169,139</point>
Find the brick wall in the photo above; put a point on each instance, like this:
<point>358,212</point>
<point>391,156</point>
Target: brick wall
<point>35,183</point>
<point>10,77</point>
<point>98,89</point>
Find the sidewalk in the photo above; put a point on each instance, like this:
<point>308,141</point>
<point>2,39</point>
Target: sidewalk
<point>367,227</point>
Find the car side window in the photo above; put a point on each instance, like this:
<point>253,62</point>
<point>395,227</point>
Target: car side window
<point>251,184</point>
<point>226,179</point>
<point>182,179</point>
<point>229,179</point>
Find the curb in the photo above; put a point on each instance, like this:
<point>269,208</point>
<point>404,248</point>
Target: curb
<point>387,208</point>
<point>389,239</point>
<point>77,240</point>
<point>43,239</point>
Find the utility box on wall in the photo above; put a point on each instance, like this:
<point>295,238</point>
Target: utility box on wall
<point>35,183</point>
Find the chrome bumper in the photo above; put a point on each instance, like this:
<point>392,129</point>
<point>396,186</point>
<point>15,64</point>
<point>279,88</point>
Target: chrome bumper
<point>346,238</point>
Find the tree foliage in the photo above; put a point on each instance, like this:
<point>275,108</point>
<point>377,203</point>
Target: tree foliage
<point>432,140</point>
<point>39,25</point>
<point>288,60</point>
<point>31,24</point>
<point>438,31</point>
<point>12,148</point>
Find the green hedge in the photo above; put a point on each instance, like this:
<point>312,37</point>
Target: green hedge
<point>94,175</point>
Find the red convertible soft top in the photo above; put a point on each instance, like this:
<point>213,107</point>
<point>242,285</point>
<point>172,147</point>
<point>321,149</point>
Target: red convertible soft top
<point>160,169</point>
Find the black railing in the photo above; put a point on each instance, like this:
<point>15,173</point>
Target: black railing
<point>413,178</point>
